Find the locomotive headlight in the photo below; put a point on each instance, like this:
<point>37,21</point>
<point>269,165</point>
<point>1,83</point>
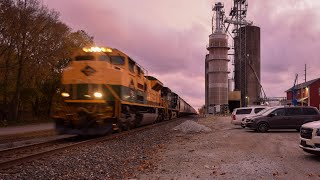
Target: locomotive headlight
<point>108,50</point>
<point>97,49</point>
<point>97,95</point>
<point>65,94</point>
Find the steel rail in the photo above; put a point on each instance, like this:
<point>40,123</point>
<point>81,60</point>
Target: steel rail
<point>33,145</point>
<point>13,162</point>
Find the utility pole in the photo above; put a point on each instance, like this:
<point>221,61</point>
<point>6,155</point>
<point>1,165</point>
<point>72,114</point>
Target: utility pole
<point>305,80</point>
<point>305,72</point>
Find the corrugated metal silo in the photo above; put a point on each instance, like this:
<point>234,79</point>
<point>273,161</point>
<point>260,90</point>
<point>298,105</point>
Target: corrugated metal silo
<point>248,64</point>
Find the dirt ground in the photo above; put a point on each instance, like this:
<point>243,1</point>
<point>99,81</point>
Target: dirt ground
<point>231,152</point>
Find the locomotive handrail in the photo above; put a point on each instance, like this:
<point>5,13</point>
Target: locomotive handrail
<point>86,101</point>
<point>117,102</point>
<point>112,92</point>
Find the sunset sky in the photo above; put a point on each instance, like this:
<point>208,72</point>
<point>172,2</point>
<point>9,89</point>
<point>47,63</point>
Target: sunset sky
<point>169,37</point>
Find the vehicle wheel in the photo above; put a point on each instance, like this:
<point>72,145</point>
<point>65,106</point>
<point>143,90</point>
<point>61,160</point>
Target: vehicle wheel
<point>263,127</point>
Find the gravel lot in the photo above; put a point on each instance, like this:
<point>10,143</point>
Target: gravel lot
<point>224,152</point>
<point>229,152</point>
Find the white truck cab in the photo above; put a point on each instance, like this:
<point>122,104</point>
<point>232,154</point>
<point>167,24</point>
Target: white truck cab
<point>310,137</point>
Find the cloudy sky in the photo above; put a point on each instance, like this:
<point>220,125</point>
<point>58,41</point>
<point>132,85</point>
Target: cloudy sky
<point>169,37</point>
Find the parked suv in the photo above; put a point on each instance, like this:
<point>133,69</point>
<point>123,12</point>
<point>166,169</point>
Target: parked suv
<point>310,137</point>
<point>283,118</point>
<point>239,113</point>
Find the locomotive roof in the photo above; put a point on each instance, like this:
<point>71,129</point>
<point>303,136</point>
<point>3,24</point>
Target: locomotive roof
<point>151,78</point>
<point>110,51</point>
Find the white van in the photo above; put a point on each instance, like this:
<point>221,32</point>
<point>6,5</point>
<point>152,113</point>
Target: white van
<point>310,137</point>
<point>239,113</point>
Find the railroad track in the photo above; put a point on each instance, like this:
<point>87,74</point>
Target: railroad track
<point>19,155</point>
<point>6,139</point>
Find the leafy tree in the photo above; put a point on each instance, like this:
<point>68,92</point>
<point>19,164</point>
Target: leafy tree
<point>34,48</point>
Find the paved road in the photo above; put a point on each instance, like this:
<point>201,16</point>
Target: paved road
<point>229,152</point>
<point>26,128</point>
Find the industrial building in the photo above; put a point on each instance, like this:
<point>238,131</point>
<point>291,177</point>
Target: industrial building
<point>306,94</point>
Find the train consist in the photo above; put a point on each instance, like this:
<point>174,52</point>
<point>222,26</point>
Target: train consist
<point>105,90</point>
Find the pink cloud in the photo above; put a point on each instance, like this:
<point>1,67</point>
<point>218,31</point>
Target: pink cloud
<point>168,37</point>
<point>289,34</point>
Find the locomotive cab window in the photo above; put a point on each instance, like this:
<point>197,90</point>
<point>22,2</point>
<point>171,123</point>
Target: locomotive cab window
<point>117,60</point>
<point>131,65</point>
<point>84,58</point>
<point>104,58</point>
<point>145,87</point>
<point>139,71</point>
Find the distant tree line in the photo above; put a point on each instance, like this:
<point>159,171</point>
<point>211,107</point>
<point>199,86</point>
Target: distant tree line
<point>202,110</point>
<point>34,48</point>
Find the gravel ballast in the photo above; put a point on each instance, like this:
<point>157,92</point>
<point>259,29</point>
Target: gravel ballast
<point>121,158</point>
<point>191,127</point>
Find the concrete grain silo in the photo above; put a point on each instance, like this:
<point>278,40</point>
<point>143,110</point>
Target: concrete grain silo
<point>216,68</point>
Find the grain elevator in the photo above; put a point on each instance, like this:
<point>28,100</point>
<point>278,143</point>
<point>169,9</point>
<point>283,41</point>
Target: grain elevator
<point>216,65</point>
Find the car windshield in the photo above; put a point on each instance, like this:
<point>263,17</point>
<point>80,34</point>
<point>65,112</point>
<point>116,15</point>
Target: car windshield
<point>267,111</point>
<point>264,110</point>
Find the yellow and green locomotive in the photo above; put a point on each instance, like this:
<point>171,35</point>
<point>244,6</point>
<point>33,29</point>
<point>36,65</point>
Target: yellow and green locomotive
<point>105,90</point>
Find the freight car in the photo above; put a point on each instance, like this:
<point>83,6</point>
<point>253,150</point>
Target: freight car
<point>176,105</point>
<point>104,90</point>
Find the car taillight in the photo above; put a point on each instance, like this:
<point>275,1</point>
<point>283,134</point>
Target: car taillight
<point>233,117</point>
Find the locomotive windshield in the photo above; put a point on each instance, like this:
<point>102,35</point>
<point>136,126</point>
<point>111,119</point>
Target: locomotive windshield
<point>84,58</point>
<point>104,58</point>
<point>117,60</point>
